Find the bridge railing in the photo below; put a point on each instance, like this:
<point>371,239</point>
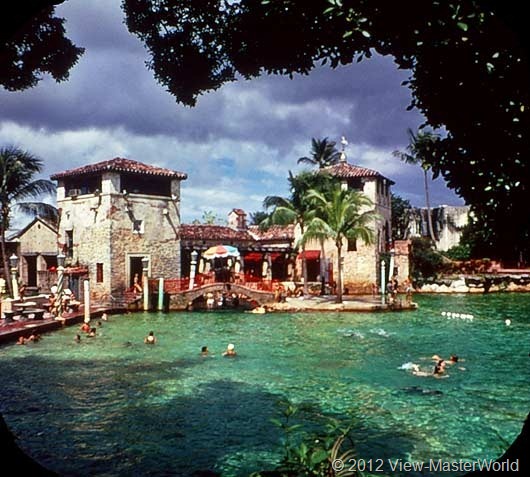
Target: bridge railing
<point>177,285</point>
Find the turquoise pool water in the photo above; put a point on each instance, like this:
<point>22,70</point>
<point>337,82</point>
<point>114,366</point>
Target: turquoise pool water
<point>112,406</point>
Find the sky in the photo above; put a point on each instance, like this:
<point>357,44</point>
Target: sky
<point>237,144</point>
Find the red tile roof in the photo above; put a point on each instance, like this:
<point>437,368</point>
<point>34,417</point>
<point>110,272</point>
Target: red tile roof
<point>212,232</point>
<point>239,211</point>
<point>347,171</point>
<point>119,164</point>
<point>275,232</point>
<point>223,233</point>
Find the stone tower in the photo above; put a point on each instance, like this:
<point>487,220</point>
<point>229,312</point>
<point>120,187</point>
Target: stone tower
<point>113,214</point>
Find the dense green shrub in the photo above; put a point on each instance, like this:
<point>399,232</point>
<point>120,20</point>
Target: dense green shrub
<point>426,262</point>
<point>459,252</point>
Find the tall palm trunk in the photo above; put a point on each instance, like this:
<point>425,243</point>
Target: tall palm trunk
<point>428,204</point>
<point>304,272</point>
<point>339,277</point>
<point>304,264</point>
<point>5,263</point>
<point>322,268</point>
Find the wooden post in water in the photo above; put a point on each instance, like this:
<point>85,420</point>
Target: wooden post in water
<point>383,281</point>
<point>160,294</point>
<point>86,293</point>
<point>145,284</point>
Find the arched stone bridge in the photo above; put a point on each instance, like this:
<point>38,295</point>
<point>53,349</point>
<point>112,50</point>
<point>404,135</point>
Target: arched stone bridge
<point>180,300</point>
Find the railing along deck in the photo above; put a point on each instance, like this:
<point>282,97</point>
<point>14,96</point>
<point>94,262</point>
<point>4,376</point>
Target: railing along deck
<point>176,285</point>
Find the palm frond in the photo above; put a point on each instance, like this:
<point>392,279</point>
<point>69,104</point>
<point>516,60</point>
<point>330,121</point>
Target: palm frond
<point>40,209</point>
<point>34,189</point>
<point>275,201</point>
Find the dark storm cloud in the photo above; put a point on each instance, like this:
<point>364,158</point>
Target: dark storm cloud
<point>112,106</point>
<point>371,91</point>
<point>111,87</point>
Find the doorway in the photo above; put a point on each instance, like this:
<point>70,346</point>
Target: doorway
<point>31,262</point>
<point>135,267</point>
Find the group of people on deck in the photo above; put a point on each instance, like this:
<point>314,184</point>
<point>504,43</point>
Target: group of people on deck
<point>67,301</point>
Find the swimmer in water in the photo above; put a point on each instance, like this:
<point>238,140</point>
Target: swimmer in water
<point>437,372</point>
<point>150,338</point>
<point>230,351</point>
<point>439,368</point>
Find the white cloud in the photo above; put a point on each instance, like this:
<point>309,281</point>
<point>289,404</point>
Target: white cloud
<point>237,145</point>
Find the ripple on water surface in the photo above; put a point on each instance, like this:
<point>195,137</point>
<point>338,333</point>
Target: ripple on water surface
<point>114,406</point>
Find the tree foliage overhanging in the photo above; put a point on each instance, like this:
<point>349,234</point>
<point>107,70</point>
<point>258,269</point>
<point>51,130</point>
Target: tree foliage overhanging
<point>469,75</point>
<point>33,42</point>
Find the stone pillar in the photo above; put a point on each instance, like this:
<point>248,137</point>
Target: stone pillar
<point>86,306</point>
<point>160,294</point>
<point>60,284</point>
<point>145,284</point>
<point>13,261</point>
<point>193,267</point>
<point>383,282</point>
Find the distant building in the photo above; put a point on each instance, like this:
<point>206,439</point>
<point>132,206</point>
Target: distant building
<point>36,247</point>
<point>448,223</point>
<point>113,214</point>
<point>237,219</point>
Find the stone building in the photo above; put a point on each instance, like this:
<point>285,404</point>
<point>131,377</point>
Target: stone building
<point>448,222</point>
<point>113,214</point>
<point>36,247</point>
<point>361,261</point>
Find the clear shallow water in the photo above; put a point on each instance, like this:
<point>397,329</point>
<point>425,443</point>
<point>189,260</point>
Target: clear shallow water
<point>112,406</point>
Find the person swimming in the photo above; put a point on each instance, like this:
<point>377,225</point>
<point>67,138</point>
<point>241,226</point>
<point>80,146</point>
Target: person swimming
<point>230,350</point>
<point>150,338</point>
<point>437,372</point>
<point>205,351</point>
<point>439,368</point>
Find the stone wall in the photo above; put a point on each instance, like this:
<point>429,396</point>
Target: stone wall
<point>402,259</point>
<point>109,228</point>
<point>38,238</point>
<point>86,219</point>
<point>479,284</point>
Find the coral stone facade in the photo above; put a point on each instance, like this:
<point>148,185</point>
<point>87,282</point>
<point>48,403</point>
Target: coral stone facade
<point>113,214</point>
<point>361,261</point>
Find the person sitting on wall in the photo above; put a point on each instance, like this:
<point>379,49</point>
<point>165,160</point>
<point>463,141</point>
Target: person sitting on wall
<point>55,305</point>
<point>68,296</point>
<point>21,289</point>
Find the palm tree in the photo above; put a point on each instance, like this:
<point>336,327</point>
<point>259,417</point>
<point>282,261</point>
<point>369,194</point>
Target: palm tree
<point>323,153</point>
<point>17,169</point>
<point>295,209</point>
<point>339,216</point>
<point>420,151</point>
